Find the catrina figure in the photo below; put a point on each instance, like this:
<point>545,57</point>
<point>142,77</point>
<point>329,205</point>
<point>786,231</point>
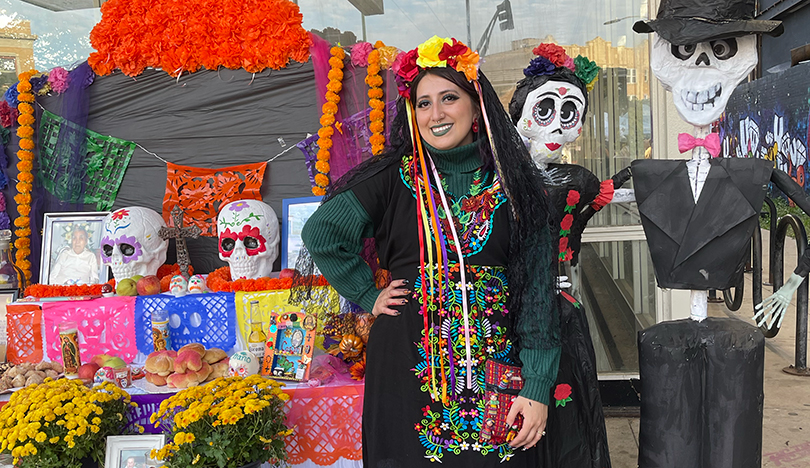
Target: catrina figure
<point>701,378</point>
<point>548,109</point>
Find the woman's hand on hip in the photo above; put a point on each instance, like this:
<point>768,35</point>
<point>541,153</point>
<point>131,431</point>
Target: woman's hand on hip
<point>393,295</point>
<point>535,415</point>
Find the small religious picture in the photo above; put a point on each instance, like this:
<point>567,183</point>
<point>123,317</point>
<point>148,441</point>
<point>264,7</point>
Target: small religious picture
<point>288,354</point>
<point>295,213</point>
<point>71,249</point>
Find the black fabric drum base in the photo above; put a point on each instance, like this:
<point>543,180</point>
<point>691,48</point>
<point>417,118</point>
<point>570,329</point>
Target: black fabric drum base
<point>701,394</point>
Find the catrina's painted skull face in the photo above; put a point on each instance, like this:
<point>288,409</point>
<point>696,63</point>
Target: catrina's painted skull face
<point>131,244</point>
<point>552,117</point>
<point>702,76</point>
<point>248,238</point>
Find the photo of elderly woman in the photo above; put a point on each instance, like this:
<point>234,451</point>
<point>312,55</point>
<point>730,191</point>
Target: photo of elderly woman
<point>71,252</point>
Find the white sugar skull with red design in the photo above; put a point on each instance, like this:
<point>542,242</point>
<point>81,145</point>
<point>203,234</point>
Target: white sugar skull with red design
<point>131,244</point>
<point>551,117</point>
<point>248,238</point>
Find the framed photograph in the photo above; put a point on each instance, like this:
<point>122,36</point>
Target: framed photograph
<point>132,451</point>
<point>294,213</point>
<point>71,249</point>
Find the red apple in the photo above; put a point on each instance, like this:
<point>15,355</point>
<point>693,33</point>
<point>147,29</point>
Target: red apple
<point>148,285</point>
<point>287,273</point>
<point>88,371</point>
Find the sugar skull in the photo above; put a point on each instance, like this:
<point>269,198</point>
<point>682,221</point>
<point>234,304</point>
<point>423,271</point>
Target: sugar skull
<point>178,286</point>
<point>243,364</point>
<point>131,244</point>
<point>196,284</point>
<point>248,238</point>
<point>702,76</point>
<point>551,117</point>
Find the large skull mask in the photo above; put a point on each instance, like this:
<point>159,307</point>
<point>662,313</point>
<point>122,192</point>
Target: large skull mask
<point>702,76</point>
<point>552,117</point>
<point>248,238</point>
<point>131,244</point>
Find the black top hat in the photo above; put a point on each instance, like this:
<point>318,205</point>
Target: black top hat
<point>684,22</point>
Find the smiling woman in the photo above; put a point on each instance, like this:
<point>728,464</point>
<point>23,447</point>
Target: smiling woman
<point>445,110</point>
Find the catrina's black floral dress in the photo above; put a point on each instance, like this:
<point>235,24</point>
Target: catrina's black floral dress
<point>420,407</point>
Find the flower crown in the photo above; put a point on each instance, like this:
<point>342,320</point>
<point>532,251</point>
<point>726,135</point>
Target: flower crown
<point>550,57</point>
<point>435,52</point>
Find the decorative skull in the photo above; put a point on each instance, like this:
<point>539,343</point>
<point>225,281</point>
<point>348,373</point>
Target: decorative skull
<point>552,117</point>
<point>243,364</point>
<point>248,238</point>
<point>702,76</point>
<point>131,244</point>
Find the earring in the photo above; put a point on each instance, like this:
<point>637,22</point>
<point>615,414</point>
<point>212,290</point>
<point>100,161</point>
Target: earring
<point>475,126</point>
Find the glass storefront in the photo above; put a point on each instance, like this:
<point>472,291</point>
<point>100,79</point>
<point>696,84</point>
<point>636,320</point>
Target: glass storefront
<point>615,278</point>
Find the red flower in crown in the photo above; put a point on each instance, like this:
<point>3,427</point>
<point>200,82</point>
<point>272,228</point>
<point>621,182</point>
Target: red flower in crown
<point>573,198</point>
<point>566,223</point>
<point>408,69</point>
<point>450,52</point>
<point>554,53</point>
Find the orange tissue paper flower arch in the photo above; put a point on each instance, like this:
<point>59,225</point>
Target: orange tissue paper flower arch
<point>249,34</point>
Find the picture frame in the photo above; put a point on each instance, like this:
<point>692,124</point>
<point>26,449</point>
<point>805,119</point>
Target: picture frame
<point>294,214</point>
<point>131,451</point>
<point>60,263</point>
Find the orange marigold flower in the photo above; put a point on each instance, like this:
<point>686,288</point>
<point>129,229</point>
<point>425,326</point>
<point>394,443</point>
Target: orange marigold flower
<point>24,210</point>
<point>25,166</point>
<point>23,187</point>
<point>25,155</point>
<point>323,155</point>
<point>374,81</point>
<point>327,120</point>
<point>330,108</point>
<point>376,127</point>
<point>377,149</point>
<point>25,132</point>
<point>22,221</point>
<point>22,198</point>
<point>318,191</point>
<point>25,97</point>
<point>25,108</point>
<point>326,132</point>
<point>325,143</point>
<point>377,140</point>
<point>26,176</point>
<point>27,143</point>
<point>338,52</point>
<point>335,74</point>
<point>375,93</point>
<point>321,180</point>
<point>22,242</point>
<point>373,69</point>
<point>376,114</point>
<point>322,166</point>
<point>335,62</point>
<point>24,86</point>
<point>332,97</point>
<point>26,119</point>
<point>376,104</point>
<point>334,86</point>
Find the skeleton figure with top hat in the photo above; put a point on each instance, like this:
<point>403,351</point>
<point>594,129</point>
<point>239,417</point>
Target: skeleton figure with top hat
<point>702,378</point>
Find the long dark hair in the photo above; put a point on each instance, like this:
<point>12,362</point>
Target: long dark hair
<point>531,254</point>
<point>530,83</point>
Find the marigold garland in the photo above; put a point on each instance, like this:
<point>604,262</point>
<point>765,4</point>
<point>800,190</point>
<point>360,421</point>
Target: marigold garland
<point>54,290</point>
<point>26,178</point>
<point>377,114</point>
<point>219,280</point>
<point>329,109</point>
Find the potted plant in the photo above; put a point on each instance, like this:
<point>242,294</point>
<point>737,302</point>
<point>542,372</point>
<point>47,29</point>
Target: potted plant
<point>62,423</point>
<point>228,423</point>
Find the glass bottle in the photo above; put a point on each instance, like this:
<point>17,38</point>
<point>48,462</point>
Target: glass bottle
<point>11,277</point>
<point>257,338</point>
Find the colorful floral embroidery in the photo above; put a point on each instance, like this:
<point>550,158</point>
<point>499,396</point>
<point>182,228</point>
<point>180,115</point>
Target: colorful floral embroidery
<point>472,213</point>
<point>453,427</point>
<point>562,394</point>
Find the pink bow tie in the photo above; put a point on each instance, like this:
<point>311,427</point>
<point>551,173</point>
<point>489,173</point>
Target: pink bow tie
<point>687,142</point>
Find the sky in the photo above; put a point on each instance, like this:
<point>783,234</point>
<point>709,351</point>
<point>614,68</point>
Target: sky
<point>64,36</point>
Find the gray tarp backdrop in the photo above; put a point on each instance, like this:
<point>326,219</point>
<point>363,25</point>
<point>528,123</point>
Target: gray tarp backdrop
<point>206,119</point>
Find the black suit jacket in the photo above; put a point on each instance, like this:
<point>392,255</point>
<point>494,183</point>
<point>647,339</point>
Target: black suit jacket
<point>704,245</point>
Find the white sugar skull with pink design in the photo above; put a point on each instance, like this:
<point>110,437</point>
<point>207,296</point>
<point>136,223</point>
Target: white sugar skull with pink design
<point>131,244</point>
<point>552,117</point>
<point>248,238</point>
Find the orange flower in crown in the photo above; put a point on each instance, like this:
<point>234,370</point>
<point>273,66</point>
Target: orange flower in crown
<point>435,52</point>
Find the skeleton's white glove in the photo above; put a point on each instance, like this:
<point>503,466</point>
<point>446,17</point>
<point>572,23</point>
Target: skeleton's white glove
<point>774,307</point>
<point>562,283</point>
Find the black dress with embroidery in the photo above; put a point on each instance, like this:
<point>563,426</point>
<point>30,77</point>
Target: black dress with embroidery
<point>403,426</point>
<point>576,436</point>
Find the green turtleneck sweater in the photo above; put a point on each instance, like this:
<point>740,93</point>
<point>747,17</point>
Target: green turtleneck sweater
<point>334,237</point>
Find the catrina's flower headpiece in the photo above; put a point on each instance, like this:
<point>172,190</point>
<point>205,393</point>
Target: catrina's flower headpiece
<point>435,52</point>
<point>550,57</point>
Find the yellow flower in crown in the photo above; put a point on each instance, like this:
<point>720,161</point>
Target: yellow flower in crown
<point>429,52</point>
